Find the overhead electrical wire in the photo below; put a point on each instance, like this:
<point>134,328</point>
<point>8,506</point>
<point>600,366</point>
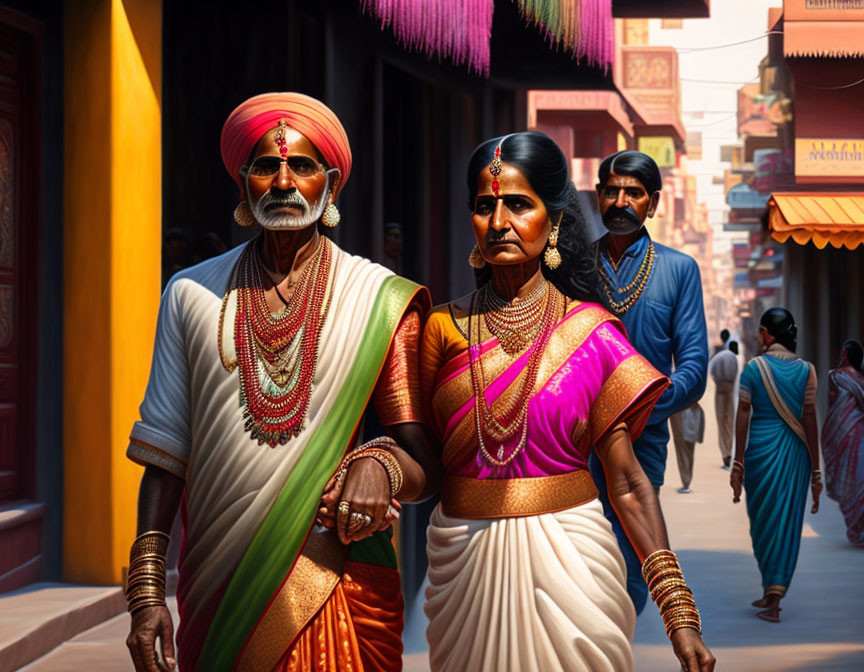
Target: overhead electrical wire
<point>711,123</point>
<point>718,81</point>
<point>830,88</point>
<point>687,50</point>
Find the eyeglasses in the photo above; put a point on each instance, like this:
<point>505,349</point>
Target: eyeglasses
<point>268,166</point>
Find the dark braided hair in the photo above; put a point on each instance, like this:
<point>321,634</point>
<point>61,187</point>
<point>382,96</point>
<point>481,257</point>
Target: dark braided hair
<point>854,353</point>
<point>544,165</point>
<point>781,325</point>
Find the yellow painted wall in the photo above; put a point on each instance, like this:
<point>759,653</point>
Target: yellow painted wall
<point>112,247</point>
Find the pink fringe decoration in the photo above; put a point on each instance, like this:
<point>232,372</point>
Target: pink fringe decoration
<point>456,29</point>
<point>461,29</point>
<point>596,33</point>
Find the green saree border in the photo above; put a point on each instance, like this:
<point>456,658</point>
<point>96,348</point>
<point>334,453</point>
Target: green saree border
<point>282,533</point>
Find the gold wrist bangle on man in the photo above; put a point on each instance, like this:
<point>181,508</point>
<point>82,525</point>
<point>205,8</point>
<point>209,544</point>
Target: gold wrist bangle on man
<point>668,589</point>
<point>377,450</point>
<point>145,583</point>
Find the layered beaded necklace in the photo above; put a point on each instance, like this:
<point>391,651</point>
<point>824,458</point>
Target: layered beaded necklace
<point>514,324</point>
<point>635,287</point>
<point>277,354</point>
<point>550,308</point>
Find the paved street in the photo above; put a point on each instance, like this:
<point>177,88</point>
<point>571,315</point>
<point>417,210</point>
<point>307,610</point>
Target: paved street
<point>823,621</point>
<point>822,626</point>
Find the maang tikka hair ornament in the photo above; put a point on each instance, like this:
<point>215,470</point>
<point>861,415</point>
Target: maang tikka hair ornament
<point>495,170</point>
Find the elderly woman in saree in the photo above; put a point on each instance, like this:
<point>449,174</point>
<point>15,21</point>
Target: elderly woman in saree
<point>521,379</point>
<point>780,457</point>
<point>843,439</point>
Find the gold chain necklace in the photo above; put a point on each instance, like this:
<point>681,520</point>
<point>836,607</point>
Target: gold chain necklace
<point>485,421</point>
<point>514,324</point>
<point>642,276</point>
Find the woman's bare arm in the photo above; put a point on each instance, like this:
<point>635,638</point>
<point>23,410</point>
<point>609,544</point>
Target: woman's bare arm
<point>811,431</point>
<point>634,500</point>
<point>632,495</point>
<point>742,427</point>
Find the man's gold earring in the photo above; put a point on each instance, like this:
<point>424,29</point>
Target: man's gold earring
<point>552,256</point>
<point>331,215</point>
<point>243,215</point>
<point>476,259</point>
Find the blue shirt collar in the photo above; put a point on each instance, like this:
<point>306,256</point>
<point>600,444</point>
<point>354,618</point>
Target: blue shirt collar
<point>637,249</point>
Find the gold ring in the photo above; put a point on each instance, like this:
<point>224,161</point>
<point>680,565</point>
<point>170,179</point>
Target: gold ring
<point>344,507</point>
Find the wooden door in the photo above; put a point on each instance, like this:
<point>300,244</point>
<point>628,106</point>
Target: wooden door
<point>19,221</point>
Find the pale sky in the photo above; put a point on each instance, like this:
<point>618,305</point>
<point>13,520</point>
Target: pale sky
<point>709,103</point>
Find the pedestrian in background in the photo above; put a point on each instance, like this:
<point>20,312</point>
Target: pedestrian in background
<point>724,341</point>
<point>688,429</point>
<point>843,439</point>
<point>776,403</point>
<point>723,369</point>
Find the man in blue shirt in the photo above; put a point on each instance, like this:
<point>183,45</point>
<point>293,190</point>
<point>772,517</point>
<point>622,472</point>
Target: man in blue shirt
<point>657,293</point>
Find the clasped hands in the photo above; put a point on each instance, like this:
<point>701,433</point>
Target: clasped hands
<point>357,501</point>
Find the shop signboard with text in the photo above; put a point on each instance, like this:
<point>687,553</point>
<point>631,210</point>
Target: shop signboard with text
<point>659,148</point>
<point>829,157</point>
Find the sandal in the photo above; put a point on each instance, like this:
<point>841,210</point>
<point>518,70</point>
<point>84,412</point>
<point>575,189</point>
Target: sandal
<point>770,615</point>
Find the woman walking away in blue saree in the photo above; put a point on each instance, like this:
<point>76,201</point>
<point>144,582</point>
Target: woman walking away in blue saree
<point>776,404</point>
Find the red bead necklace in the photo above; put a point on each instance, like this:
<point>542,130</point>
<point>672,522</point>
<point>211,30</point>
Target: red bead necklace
<point>277,354</point>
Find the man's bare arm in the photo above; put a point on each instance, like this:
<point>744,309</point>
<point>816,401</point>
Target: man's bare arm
<point>158,501</point>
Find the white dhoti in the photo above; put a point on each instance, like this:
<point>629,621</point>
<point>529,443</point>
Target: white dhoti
<point>545,593</point>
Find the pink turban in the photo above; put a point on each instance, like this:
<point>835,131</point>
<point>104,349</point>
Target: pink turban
<point>252,119</point>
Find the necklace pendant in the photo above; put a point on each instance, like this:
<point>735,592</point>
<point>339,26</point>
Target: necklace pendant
<point>501,452</point>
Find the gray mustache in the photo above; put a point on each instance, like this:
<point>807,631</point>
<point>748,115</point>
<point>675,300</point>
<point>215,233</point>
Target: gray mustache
<point>294,198</point>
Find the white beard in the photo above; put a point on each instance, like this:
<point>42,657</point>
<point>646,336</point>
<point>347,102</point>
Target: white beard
<point>280,221</point>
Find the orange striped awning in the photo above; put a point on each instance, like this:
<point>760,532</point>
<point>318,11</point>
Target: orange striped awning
<point>836,218</point>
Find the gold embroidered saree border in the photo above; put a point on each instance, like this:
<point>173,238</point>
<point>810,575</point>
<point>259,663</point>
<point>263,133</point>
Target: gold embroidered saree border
<point>315,576</point>
<point>622,393</point>
<point>463,497</point>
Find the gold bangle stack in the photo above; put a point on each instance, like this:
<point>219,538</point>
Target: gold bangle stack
<point>145,584</point>
<point>669,591</point>
<point>377,450</point>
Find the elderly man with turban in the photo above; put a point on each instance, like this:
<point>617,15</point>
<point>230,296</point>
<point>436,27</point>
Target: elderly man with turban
<point>265,361</point>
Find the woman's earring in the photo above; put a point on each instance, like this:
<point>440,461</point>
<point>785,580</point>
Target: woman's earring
<point>243,215</point>
<point>476,259</point>
<point>552,256</point>
<point>331,215</point>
